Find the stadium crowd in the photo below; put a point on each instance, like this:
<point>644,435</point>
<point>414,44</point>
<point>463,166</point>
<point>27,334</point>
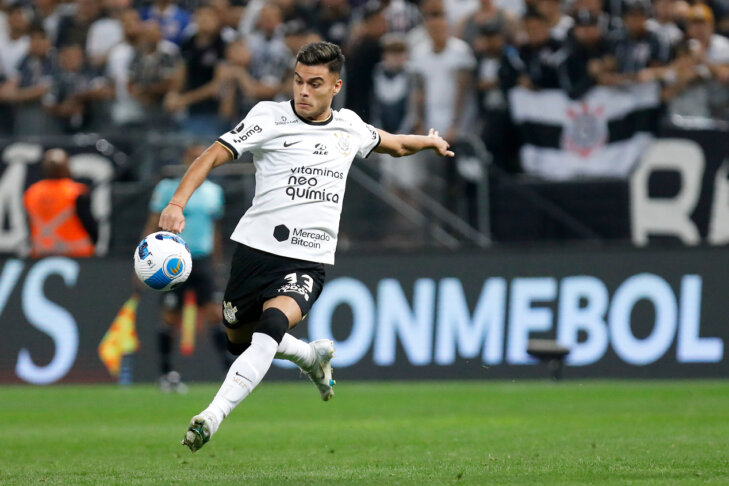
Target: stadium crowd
<point>197,66</point>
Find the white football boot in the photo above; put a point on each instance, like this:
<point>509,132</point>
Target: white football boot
<point>201,429</point>
<point>321,371</point>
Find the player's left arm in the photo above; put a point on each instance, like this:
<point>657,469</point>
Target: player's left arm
<point>401,145</point>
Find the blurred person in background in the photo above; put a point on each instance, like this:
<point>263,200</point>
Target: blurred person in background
<point>30,86</point>
<point>488,14</point>
<point>663,22</point>
<point>332,20</point>
<point>196,96</point>
<point>172,19</point>
<point>534,64</point>
<point>73,28</point>
<point>59,211</point>
<point>74,91</point>
<point>48,13</point>
<point>125,110</point>
<point>701,70</point>
<point>153,72</point>
<point>605,22</point>
<point>202,233</point>
<point>587,58</point>
<point>14,46</point>
<point>640,54</point>
<point>444,67</point>
<point>402,16</point>
<point>559,22</point>
<point>365,51</point>
<point>106,32</point>
<point>239,91</point>
<point>271,60</point>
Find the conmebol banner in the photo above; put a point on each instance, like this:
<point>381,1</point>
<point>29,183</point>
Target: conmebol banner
<point>602,134</point>
<point>621,312</point>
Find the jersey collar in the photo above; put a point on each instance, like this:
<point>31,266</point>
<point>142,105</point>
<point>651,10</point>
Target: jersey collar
<point>309,122</point>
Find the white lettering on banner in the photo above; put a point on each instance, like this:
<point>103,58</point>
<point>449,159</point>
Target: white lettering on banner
<point>589,318</point>
<point>583,306</point>
<point>658,292</point>
<point>356,295</point>
<point>50,318</point>
<point>100,171</point>
<point>414,327</point>
<point>667,216</point>
<point>456,328</point>
<point>523,318</point>
<point>8,278</point>
<point>719,223</point>
<point>16,156</point>
<point>690,347</point>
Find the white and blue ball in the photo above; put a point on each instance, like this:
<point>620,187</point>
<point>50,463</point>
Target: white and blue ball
<point>162,261</point>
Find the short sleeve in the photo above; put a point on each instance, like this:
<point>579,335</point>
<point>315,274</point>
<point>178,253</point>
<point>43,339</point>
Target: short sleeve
<point>369,137</point>
<point>249,134</point>
<point>160,197</point>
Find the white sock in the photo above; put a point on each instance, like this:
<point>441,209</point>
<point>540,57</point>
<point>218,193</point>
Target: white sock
<point>297,351</point>
<point>244,375</point>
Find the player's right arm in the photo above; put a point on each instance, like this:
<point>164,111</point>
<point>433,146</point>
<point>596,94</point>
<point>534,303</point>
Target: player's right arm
<point>171,218</point>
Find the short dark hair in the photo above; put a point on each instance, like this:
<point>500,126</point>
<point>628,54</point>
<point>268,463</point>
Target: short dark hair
<point>316,53</point>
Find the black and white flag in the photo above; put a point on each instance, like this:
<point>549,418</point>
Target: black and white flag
<point>602,134</point>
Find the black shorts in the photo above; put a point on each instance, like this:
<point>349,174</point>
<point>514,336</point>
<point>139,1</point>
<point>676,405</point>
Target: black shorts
<point>257,276</point>
<point>201,280</point>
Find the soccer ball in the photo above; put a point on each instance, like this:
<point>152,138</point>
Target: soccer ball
<point>162,261</point>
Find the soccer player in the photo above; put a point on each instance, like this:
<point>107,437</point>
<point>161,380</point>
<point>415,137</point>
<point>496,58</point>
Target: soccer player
<point>302,151</point>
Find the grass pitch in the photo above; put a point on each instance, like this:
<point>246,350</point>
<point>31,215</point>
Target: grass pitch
<point>373,433</point>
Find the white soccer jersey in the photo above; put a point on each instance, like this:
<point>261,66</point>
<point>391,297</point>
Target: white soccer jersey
<point>301,173</point>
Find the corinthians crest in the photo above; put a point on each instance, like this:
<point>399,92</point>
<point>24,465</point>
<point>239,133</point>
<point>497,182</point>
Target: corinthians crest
<point>585,130</point>
<point>344,144</point>
<point>229,312</point>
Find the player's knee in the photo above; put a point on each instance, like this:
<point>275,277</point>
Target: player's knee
<point>274,323</point>
<point>236,349</point>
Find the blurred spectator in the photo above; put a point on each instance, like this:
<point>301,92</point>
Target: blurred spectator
<point>488,15</point>
<point>587,57</point>
<point>106,32</point>
<point>702,69</point>
<point>392,87</point>
<point>125,110</point>
<point>365,52</point>
<point>31,84</point>
<point>596,7</point>
<point>402,16</point>
<point>239,91</point>
<point>443,65</point>
<point>271,59</point>
<point>14,46</point>
<point>534,65</point>
<point>48,13</point>
<point>6,111</point>
<point>198,89</point>
<point>229,17</point>
<point>663,22</point>
<point>559,23</point>
<point>73,91</point>
<point>59,211</point>
<point>333,20</point>
<point>74,28</point>
<point>153,73</point>
<point>172,19</point>
<point>637,49</point>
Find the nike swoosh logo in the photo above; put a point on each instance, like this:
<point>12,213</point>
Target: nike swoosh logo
<point>286,144</point>
<point>238,374</point>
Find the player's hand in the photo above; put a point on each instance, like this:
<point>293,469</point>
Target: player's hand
<point>172,219</point>
<point>439,144</point>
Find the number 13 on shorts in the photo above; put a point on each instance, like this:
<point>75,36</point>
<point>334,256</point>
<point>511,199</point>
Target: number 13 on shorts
<point>305,287</point>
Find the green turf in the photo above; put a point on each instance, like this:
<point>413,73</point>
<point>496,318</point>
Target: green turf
<point>394,433</point>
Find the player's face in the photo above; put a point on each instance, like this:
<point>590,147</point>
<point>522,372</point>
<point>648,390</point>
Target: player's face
<point>314,88</point>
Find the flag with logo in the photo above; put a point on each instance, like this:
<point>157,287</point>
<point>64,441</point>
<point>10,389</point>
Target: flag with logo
<point>602,134</point>
<point>121,338</point>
